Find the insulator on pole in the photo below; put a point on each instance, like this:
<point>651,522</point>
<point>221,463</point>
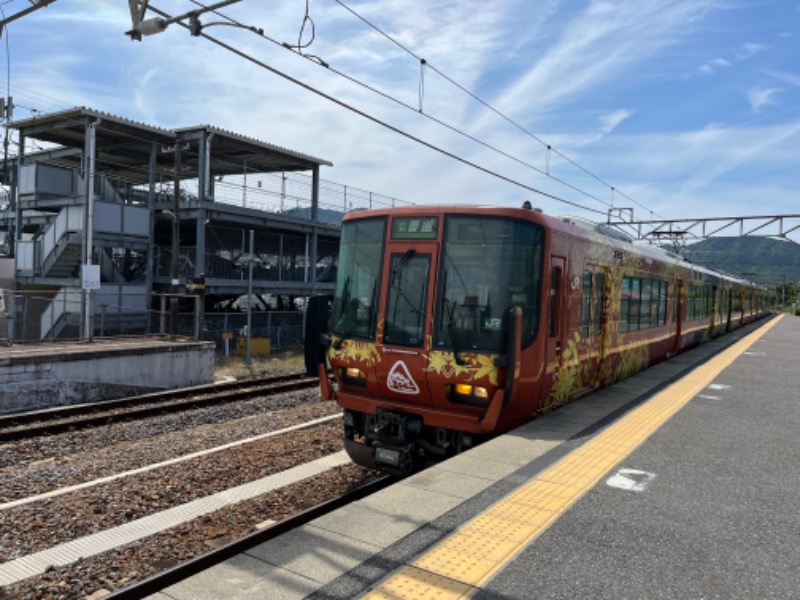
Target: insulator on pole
<point>152,26</point>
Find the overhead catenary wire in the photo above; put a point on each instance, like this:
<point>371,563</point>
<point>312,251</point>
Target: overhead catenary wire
<point>490,107</point>
<point>409,107</point>
<point>380,122</point>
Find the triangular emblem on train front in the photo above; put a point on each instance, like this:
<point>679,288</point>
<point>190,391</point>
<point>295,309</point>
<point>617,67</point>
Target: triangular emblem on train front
<point>400,380</point>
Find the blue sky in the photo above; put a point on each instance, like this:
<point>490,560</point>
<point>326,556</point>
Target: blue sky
<point>688,108</point>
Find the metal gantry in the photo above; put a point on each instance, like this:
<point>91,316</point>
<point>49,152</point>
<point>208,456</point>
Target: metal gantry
<point>683,230</point>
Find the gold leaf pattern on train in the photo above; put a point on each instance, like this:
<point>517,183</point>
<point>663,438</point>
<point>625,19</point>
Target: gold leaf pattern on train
<point>364,353</point>
<point>477,367</point>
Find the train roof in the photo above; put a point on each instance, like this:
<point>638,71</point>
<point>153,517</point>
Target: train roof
<point>578,226</point>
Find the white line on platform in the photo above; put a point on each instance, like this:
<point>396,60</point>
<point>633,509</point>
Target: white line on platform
<point>69,552</point>
<point>166,463</point>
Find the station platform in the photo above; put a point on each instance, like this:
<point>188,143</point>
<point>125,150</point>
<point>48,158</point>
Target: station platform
<point>40,376</point>
<point>680,482</point>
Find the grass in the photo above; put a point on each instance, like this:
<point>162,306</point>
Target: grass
<point>262,366</point>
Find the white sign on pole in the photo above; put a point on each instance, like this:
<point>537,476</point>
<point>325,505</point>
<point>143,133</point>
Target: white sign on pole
<point>90,277</point>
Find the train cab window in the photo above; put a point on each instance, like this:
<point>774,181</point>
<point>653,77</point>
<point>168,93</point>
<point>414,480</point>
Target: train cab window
<point>586,304</point>
<point>406,300</point>
<point>488,265</point>
<point>355,301</point>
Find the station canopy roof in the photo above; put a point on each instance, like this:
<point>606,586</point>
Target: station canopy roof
<point>122,147</point>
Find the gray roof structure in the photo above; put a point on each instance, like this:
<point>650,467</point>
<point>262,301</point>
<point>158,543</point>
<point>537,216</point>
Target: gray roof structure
<point>123,147</point>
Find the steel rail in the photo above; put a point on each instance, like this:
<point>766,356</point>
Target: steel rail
<point>158,582</point>
<point>59,419</point>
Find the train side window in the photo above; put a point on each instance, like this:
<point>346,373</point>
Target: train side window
<point>599,296</point>
<point>555,281</point>
<point>658,313</point>
<point>654,304</point>
<point>625,303</point>
<point>586,303</point>
<point>645,318</point>
<point>662,306</point>
<point>636,304</point>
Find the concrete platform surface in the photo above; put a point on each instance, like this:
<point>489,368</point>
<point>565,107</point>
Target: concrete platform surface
<point>683,488</point>
<point>39,376</point>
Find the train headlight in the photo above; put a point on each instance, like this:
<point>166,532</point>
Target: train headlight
<point>463,393</point>
<point>353,376</point>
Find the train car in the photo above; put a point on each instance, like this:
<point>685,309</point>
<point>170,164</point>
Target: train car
<point>451,324</point>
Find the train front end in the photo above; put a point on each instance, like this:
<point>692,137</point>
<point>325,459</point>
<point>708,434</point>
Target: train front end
<point>432,313</point>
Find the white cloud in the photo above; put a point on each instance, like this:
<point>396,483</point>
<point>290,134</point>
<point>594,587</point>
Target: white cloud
<point>610,121</point>
<point>711,66</point>
<point>704,172</point>
<point>758,98</point>
<point>749,49</point>
<point>788,78</point>
<point>606,41</point>
<point>557,68</point>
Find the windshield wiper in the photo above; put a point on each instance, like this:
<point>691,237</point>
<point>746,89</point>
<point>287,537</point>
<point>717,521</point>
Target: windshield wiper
<point>450,307</point>
<point>402,263</point>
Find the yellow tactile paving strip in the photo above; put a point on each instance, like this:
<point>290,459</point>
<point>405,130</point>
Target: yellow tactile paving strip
<point>461,563</point>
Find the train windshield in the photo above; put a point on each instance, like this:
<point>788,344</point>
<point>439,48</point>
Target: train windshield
<point>355,305</point>
<point>488,265</point>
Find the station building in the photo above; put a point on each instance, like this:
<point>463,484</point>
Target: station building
<point>117,227</point>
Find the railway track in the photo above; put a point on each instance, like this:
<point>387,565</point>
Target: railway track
<point>69,418</point>
<point>197,565</point>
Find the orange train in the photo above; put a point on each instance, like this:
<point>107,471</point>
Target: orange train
<point>450,324</point>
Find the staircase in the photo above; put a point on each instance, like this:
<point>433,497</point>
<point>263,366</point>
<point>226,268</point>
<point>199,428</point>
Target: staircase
<point>65,258</point>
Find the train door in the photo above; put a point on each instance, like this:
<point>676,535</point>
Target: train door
<point>406,315</point>
<point>555,318</point>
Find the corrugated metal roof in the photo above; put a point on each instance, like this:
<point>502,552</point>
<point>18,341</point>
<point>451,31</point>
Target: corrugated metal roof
<point>124,146</point>
<point>246,139</point>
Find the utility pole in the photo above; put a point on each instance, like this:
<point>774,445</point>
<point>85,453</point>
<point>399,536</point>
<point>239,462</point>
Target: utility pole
<point>248,358</point>
<point>176,232</point>
<point>7,115</point>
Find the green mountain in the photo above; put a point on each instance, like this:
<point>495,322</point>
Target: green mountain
<point>767,261</point>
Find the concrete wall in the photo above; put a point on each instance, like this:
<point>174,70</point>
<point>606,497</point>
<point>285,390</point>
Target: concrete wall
<point>41,380</point>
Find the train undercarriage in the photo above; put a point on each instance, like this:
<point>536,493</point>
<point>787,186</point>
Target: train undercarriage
<point>399,443</point>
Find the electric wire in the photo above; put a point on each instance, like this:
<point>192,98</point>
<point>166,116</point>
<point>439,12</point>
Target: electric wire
<point>420,111</point>
<point>380,122</point>
<point>397,130</point>
<point>490,107</point>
